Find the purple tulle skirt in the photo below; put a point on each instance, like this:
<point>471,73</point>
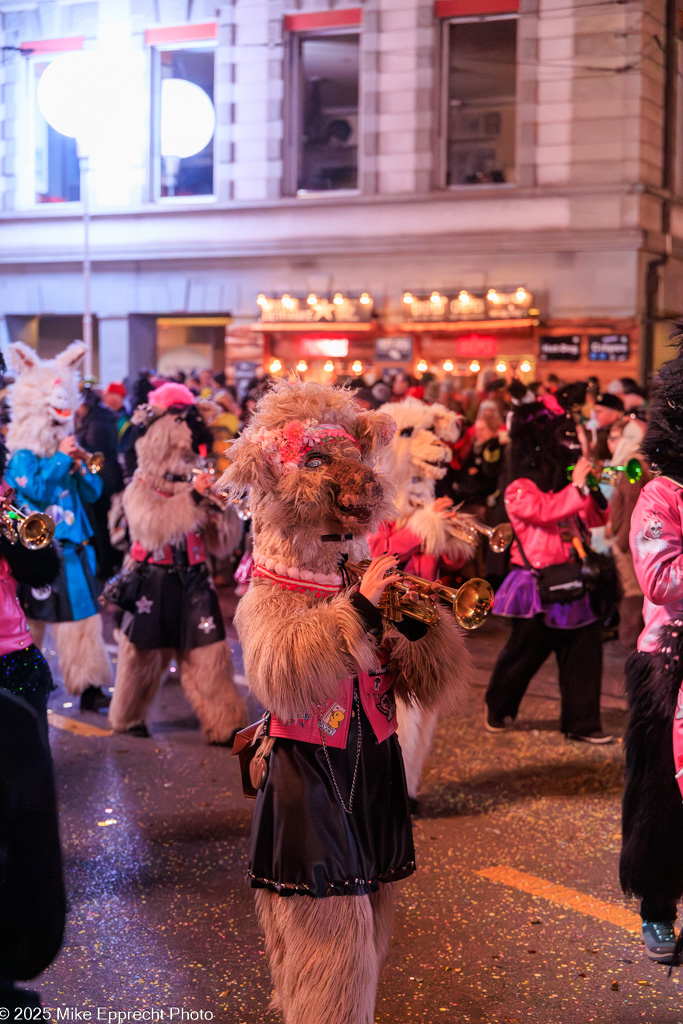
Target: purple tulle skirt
<point>518,597</point>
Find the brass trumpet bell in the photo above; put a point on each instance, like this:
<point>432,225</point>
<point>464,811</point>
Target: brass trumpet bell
<point>500,537</point>
<point>416,598</point>
<point>34,530</point>
<point>92,461</point>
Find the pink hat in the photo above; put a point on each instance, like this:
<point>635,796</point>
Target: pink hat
<point>170,394</point>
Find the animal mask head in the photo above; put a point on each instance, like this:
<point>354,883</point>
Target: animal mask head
<point>172,433</point>
<point>308,459</point>
<point>418,453</point>
<point>43,398</point>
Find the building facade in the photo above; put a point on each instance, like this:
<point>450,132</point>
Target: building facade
<point>458,183</point>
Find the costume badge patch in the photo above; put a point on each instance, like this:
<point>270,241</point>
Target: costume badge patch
<point>649,540</point>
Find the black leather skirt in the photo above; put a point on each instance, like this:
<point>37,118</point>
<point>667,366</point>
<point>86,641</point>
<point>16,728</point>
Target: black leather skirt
<point>177,608</point>
<point>303,841</point>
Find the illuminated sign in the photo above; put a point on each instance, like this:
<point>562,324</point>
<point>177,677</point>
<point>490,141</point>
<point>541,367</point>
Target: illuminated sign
<point>612,348</point>
<point>394,350</point>
<point>332,348</point>
<point>311,309</point>
<point>561,346</point>
<point>476,346</point>
<point>493,304</point>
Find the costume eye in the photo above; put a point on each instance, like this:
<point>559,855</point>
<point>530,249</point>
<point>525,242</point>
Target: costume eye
<point>407,432</point>
<point>315,461</point>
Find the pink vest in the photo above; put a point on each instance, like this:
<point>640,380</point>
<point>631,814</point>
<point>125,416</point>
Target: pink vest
<point>196,552</point>
<point>333,718</point>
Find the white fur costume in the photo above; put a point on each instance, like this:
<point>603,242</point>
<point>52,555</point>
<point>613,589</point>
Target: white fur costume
<point>43,400</point>
<point>422,536</point>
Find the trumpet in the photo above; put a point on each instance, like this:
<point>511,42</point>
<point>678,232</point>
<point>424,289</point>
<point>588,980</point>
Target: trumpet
<point>217,498</point>
<point>92,461</point>
<point>610,474</point>
<point>415,597</point>
<point>500,537</point>
<point>34,530</point>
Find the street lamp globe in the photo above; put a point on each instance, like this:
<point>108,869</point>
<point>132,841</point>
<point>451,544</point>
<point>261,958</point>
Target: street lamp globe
<point>68,94</point>
<point>188,118</point>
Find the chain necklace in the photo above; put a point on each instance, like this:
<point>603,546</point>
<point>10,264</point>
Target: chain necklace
<point>348,808</point>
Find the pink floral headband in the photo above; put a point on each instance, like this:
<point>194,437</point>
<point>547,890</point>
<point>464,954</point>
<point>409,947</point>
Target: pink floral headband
<point>284,447</point>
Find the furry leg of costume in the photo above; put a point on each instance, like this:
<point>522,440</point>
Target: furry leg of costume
<point>207,679</point>
<point>416,727</point>
<point>325,954</point>
<point>138,674</point>
<point>81,654</point>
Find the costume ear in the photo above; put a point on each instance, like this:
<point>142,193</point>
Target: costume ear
<point>207,409</point>
<point>374,430</point>
<point>248,467</point>
<point>72,354</point>
<point>22,356</point>
<point>447,424</point>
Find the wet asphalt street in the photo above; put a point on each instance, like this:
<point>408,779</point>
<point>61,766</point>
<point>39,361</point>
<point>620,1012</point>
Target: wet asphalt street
<point>514,915</point>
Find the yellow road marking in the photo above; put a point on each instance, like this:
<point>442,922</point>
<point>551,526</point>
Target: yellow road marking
<point>73,725</point>
<point>571,899</point>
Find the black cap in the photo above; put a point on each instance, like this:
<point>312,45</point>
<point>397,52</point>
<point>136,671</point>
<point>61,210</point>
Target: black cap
<point>610,402</point>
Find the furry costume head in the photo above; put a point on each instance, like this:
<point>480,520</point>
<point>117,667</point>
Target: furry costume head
<point>308,458</point>
<point>663,443</point>
<point>543,441</point>
<point>171,434</point>
<point>43,398</point>
<point>418,453</point>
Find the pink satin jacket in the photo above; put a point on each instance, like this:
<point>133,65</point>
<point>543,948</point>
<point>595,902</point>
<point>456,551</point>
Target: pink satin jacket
<point>656,541</point>
<point>537,518</point>
<point>14,631</point>
<point>403,542</point>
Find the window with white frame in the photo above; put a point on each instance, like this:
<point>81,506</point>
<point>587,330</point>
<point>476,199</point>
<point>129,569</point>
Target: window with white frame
<point>323,112</point>
<point>183,121</point>
<point>53,157</point>
<point>480,110</point>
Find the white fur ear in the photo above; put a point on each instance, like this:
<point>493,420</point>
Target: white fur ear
<point>72,354</point>
<point>22,356</point>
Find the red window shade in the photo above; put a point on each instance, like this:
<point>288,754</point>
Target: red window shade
<point>323,19</point>
<point>181,33</point>
<point>461,8</point>
<point>54,45</point>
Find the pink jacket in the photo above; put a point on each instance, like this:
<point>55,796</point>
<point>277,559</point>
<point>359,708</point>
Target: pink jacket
<point>537,518</point>
<point>334,717</point>
<point>656,541</point>
<point>404,543</point>
<point>14,632</point>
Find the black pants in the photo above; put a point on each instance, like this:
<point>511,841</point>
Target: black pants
<point>579,659</point>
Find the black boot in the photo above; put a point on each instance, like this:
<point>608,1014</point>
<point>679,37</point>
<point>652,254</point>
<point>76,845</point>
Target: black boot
<point>94,699</point>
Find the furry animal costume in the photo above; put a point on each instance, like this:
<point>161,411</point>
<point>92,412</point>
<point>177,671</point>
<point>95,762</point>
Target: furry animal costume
<point>331,826</point>
<point>650,865</point>
<point>43,399</point>
<point>426,539</point>
<point>172,528</point>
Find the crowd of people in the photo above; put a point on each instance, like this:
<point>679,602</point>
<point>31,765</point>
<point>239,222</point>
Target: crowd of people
<point>587,482</point>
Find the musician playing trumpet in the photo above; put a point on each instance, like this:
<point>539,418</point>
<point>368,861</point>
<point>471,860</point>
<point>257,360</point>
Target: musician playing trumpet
<point>44,455</point>
<point>428,536</point>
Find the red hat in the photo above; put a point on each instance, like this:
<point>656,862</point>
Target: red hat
<point>116,388</point>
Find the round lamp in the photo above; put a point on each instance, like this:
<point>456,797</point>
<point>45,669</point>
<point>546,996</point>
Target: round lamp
<point>188,118</point>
